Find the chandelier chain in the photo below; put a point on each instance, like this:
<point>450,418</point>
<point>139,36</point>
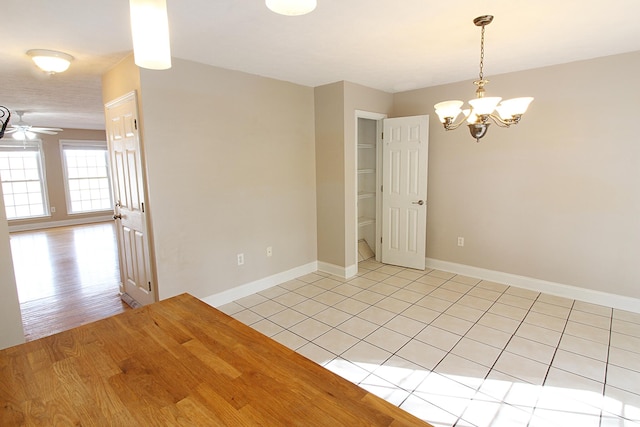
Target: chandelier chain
<point>482,54</point>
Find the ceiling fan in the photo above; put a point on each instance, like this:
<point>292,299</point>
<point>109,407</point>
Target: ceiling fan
<point>23,131</point>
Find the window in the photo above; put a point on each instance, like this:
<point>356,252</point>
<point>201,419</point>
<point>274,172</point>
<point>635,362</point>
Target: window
<point>87,180</point>
<point>22,177</point>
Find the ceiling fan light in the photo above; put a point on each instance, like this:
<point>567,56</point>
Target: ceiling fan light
<point>291,7</point>
<point>23,135</point>
<point>50,61</point>
<point>150,34</point>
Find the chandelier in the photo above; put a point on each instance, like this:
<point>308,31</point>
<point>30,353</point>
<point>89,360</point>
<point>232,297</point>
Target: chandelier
<point>509,112</point>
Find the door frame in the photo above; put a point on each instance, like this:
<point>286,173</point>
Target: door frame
<point>378,117</point>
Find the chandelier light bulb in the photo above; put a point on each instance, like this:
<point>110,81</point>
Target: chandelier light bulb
<point>448,109</point>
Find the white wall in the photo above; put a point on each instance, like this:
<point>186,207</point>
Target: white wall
<point>11,332</point>
<point>555,198</point>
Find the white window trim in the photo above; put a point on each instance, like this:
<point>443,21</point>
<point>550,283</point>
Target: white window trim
<point>82,144</point>
<point>32,145</point>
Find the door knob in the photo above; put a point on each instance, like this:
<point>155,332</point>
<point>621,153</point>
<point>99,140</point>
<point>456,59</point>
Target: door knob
<point>419,202</point>
<point>118,216</point>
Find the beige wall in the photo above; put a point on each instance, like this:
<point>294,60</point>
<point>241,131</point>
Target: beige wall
<point>555,198</point>
<point>330,178</point>
<point>335,119</point>
<point>11,332</point>
<point>55,179</point>
<point>123,78</point>
<point>231,169</point>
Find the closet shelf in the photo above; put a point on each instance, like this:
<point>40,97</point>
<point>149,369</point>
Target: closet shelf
<point>362,221</point>
<point>365,195</point>
<point>362,171</point>
<point>366,146</point>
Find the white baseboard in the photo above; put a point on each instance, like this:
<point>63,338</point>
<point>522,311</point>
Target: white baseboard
<point>225,297</point>
<point>63,223</point>
<point>336,270</point>
<point>573,292</point>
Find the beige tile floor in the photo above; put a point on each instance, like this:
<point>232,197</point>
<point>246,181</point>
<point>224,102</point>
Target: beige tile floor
<point>458,351</point>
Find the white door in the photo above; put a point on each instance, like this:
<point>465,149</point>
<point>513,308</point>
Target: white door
<point>405,147</point>
<point>129,196</point>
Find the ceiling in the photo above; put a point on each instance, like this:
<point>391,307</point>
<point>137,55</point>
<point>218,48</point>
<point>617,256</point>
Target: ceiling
<point>388,45</point>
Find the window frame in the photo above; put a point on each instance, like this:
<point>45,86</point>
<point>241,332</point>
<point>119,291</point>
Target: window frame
<point>84,145</point>
<point>34,145</point>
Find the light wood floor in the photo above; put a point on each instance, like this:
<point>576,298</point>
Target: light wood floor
<point>66,277</point>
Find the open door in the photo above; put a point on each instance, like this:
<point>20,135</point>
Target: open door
<point>129,195</point>
<point>405,148</point>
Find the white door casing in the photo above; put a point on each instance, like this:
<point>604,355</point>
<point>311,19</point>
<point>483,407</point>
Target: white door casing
<point>129,195</point>
<point>404,191</point>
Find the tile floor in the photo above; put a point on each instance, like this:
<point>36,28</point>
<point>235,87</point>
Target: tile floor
<point>458,351</point>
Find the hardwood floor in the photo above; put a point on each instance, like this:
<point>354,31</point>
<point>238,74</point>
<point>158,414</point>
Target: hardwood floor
<point>66,277</point>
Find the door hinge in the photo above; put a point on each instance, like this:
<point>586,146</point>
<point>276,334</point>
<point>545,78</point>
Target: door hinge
<point>381,188</point>
<point>382,135</point>
<point>381,240</point>
<point>135,123</point>
<point>149,287</point>
<point>142,207</point>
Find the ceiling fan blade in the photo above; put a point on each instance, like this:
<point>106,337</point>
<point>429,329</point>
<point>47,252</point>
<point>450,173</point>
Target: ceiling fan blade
<point>45,131</point>
<point>37,129</point>
<point>10,130</point>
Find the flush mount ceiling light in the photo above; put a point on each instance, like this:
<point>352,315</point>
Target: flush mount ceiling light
<point>291,7</point>
<point>483,108</point>
<point>50,61</point>
<point>150,33</point>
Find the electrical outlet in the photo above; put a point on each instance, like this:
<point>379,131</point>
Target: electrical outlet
<point>53,209</point>
<point>269,251</point>
<point>240,259</point>
<point>460,241</point>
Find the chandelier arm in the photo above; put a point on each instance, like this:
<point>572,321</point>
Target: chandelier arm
<point>500,122</point>
<point>449,125</point>
<point>505,123</point>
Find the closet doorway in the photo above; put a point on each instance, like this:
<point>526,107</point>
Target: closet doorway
<point>369,156</point>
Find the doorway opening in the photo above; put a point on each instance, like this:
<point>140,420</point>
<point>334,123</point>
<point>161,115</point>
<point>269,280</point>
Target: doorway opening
<point>66,277</point>
<point>368,167</point>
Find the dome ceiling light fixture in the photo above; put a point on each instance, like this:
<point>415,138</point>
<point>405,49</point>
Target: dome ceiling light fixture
<point>509,111</point>
<point>291,7</point>
<point>50,61</point>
